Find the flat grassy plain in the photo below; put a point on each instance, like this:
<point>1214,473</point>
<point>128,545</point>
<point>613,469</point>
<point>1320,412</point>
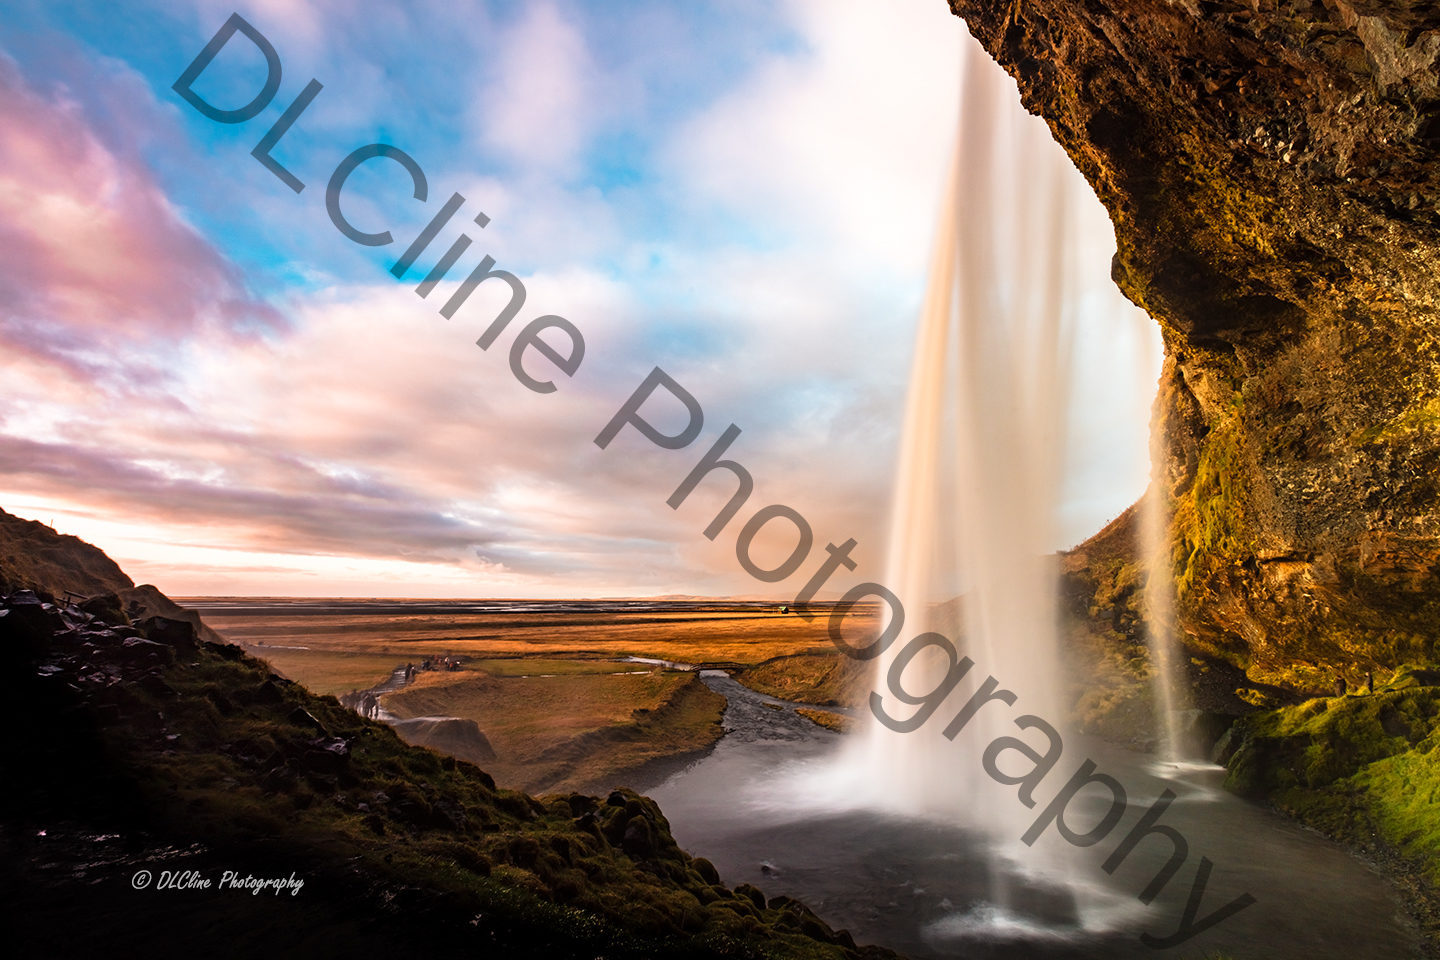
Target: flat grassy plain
<point>331,671</point>
<point>710,633</point>
<point>548,683</point>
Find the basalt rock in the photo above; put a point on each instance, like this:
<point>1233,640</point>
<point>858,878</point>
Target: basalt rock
<point>1273,174</point>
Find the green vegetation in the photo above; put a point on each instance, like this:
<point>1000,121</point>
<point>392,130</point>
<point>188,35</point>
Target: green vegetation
<point>538,667</point>
<point>1107,665</point>
<point>828,719</point>
<point>1362,768</point>
<point>1425,417</point>
<point>199,746</point>
<point>1209,521</point>
<point>1110,684</point>
<point>149,746</point>
<point>331,672</point>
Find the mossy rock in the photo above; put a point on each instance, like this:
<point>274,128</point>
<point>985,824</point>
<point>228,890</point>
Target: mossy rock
<point>1362,768</point>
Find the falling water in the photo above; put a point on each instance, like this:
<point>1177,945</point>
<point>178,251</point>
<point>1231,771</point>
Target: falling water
<point>975,519</point>
<point>986,433</point>
<point>980,458</point>
<point>1167,666</point>
<point>974,523</point>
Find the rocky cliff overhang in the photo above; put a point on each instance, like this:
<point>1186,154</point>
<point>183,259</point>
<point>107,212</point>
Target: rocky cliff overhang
<point>1273,174</point>
<point>1258,159</point>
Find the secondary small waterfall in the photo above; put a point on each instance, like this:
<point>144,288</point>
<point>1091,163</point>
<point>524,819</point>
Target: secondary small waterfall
<point>1166,658</point>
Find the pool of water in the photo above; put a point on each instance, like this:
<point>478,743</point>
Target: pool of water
<point>930,888</point>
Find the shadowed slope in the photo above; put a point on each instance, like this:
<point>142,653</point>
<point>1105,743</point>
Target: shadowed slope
<point>147,747</point>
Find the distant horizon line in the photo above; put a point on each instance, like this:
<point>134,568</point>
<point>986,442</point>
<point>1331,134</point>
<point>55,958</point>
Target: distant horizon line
<point>675,597</point>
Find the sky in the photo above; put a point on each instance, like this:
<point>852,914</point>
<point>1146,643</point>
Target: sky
<point>201,375</point>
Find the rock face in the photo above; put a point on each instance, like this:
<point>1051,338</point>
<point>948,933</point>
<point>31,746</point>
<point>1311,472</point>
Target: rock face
<point>1273,174</point>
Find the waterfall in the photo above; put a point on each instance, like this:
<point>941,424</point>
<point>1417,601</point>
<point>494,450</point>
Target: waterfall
<point>974,519</point>
<point>1166,658</point>
<point>975,516</point>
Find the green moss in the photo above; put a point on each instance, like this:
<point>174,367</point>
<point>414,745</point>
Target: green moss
<point>1255,698</point>
<point>838,722</point>
<point>1223,223</point>
<point>1403,794</point>
<point>1414,420</point>
<point>1209,519</point>
<point>1116,583</point>
<point>1229,219</point>
<point>1361,767</point>
<point>220,753</point>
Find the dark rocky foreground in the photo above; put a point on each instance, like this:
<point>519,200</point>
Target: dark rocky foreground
<point>138,744</point>
<point>1273,174</point>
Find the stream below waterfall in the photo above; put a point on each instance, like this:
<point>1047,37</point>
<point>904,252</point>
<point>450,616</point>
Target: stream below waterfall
<point>926,888</point>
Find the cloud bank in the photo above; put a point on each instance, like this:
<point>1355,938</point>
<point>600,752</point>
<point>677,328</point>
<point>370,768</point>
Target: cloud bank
<point>746,202</point>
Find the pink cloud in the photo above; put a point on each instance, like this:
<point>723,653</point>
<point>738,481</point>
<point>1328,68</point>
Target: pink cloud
<point>95,254</point>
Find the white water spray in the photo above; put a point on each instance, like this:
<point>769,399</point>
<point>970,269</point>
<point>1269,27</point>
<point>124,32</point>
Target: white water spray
<point>975,520</point>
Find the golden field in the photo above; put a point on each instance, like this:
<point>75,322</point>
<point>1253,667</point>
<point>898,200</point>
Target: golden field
<point>551,691</point>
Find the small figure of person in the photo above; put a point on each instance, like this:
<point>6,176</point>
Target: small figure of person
<point>1369,682</point>
<point>1339,686</point>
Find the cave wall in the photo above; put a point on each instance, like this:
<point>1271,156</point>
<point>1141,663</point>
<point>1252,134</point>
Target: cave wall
<point>1273,174</point>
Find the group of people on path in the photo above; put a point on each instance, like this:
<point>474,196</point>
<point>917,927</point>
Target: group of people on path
<point>440,663</point>
<point>368,704</point>
<point>408,671</point>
